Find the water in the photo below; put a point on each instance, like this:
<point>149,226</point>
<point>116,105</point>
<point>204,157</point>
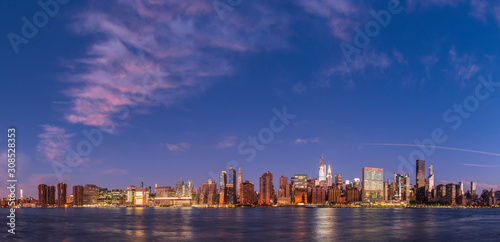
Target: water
<point>251,224</point>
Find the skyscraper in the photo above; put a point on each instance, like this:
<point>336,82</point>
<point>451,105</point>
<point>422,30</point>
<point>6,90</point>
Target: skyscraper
<point>373,184</point>
<point>240,180</point>
<point>51,195</point>
<point>420,189</point>
<point>430,179</point>
<point>223,189</point>
<point>42,195</point>
<point>321,170</point>
<point>473,188</point>
<point>61,194</point>
<point>78,196</point>
<point>247,193</point>
<point>266,189</point>
<point>231,186</point>
<point>338,180</point>
<point>461,185</point>
<point>329,179</point>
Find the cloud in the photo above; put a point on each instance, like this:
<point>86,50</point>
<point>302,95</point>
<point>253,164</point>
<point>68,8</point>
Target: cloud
<point>53,143</point>
<point>463,66</point>
<point>147,52</point>
<point>180,147</point>
<point>227,142</point>
<point>305,141</point>
<point>342,15</point>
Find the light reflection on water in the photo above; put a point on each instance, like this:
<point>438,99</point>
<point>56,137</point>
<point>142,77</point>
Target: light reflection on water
<point>249,224</point>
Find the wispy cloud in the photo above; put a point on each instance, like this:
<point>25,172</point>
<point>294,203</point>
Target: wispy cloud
<point>185,39</point>
<point>183,146</point>
<point>53,143</point>
<point>305,141</point>
<point>463,66</point>
<point>227,142</point>
<point>436,147</point>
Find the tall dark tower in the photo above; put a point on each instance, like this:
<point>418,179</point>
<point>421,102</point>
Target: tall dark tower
<point>420,180</point>
<point>61,194</point>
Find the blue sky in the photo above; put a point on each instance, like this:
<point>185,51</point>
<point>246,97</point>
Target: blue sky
<point>184,88</point>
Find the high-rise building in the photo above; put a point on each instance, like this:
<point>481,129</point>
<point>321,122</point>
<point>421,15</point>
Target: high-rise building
<point>321,170</point>
<point>105,196</point>
<point>183,188</point>
<point>223,189</point>
<point>373,184</point>
<point>90,194</point>
<point>208,193</point>
<point>420,189</point>
<point>42,195</point>
<point>282,191</point>
<point>231,186</point>
<point>117,196</point>
<point>338,180</point>
<point>430,179</point>
<point>61,194</point>
<point>51,195</point>
<point>300,181</point>
<point>329,179</point>
<point>451,194</point>
<point>461,191</point>
<point>357,183</point>
<point>247,193</point>
<point>266,189</point>
<point>473,188</point>
<point>78,195</point>
<point>240,180</point>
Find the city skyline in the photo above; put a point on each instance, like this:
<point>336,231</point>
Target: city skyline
<point>149,91</point>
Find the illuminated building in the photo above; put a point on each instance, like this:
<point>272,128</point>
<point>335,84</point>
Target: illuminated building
<point>473,187</point>
<point>357,183</point>
<point>334,195</point>
<point>300,196</point>
<point>141,197</point>
<point>208,193</point>
<point>461,188</point>
<point>118,196</point>
<point>329,179</point>
<point>51,195</point>
<point>430,179</point>
<point>247,193</point>
<point>321,170</point>
<point>183,188</point>
<point>338,180</point>
<point>105,196</point>
<point>441,193</point>
<point>300,181</point>
<point>130,191</point>
<point>451,195</point>
<point>373,184</point>
<point>69,199</point>
<point>231,186</point>
<point>90,194</point>
<point>266,189</point>
<point>78,195</point>
<point>240,180</point>
<point>42,195</point>
<point>61,194</point>
<point>223,189</point>
<point>420,189</point>
<point>282,190</point>
<point>318,195</point>
<point>352,194</point>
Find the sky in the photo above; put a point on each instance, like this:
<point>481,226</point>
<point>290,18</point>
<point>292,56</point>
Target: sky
<point>115,93</point>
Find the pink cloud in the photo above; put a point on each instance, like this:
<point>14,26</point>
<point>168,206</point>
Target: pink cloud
<point>183,146</point>
<point>228,142</point>
<point>178,45</point>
